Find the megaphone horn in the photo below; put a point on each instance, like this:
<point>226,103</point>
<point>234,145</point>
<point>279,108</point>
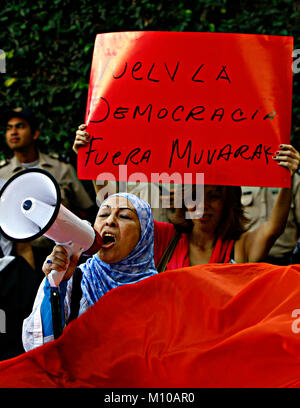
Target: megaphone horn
<point>30,206</point>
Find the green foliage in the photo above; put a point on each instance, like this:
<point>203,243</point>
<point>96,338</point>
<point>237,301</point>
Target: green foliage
<point>49,47</point>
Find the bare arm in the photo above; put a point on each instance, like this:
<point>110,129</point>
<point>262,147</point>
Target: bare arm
<point>254,245</point>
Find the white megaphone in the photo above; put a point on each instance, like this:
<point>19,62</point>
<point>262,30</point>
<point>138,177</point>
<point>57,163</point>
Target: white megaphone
<point>30,206</point>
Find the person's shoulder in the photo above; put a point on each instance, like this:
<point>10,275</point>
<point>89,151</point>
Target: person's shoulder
<point>164,227</point>
<point>3,163</point>
<point>55,160</point>
<point>5,167</point>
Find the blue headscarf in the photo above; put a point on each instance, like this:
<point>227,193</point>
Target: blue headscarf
<point>100,277</point>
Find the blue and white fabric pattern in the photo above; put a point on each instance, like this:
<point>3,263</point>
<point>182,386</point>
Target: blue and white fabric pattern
<point>46,311</point>
<point>100,277</point>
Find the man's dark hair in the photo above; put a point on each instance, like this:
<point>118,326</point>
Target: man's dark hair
<point>25,114</point>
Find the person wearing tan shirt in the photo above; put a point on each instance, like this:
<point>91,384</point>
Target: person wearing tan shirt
<point>258,202</point>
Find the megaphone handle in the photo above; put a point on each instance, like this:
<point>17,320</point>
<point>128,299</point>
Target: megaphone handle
<point>56,312</point>
<point>55,278</point>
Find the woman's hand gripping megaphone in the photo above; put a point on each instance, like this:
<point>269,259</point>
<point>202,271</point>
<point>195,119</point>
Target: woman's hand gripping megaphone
<point>62,261</point>
<point>60,264</point>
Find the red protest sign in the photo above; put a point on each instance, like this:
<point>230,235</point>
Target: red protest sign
<point>168,102</point>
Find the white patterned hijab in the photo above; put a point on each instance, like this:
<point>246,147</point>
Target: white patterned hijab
<point>100,277</point>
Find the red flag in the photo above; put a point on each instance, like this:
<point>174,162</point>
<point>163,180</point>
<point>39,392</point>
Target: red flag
<point>216,325</point>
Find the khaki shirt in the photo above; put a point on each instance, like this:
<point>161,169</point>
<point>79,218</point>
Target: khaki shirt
<point>259,201</point>
<point>73,194</point>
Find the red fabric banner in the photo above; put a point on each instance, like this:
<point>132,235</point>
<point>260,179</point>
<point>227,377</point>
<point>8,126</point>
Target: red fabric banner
<point>187,103</point>
<point>216,325</point>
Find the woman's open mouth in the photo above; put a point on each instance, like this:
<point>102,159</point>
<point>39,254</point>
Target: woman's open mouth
<point>108,240</point>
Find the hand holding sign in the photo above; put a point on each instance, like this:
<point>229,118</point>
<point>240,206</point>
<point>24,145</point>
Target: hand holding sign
<point>288,157</point>
<point>82,138</point>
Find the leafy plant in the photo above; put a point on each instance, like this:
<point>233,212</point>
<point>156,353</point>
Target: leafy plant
<point>49,47</point>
